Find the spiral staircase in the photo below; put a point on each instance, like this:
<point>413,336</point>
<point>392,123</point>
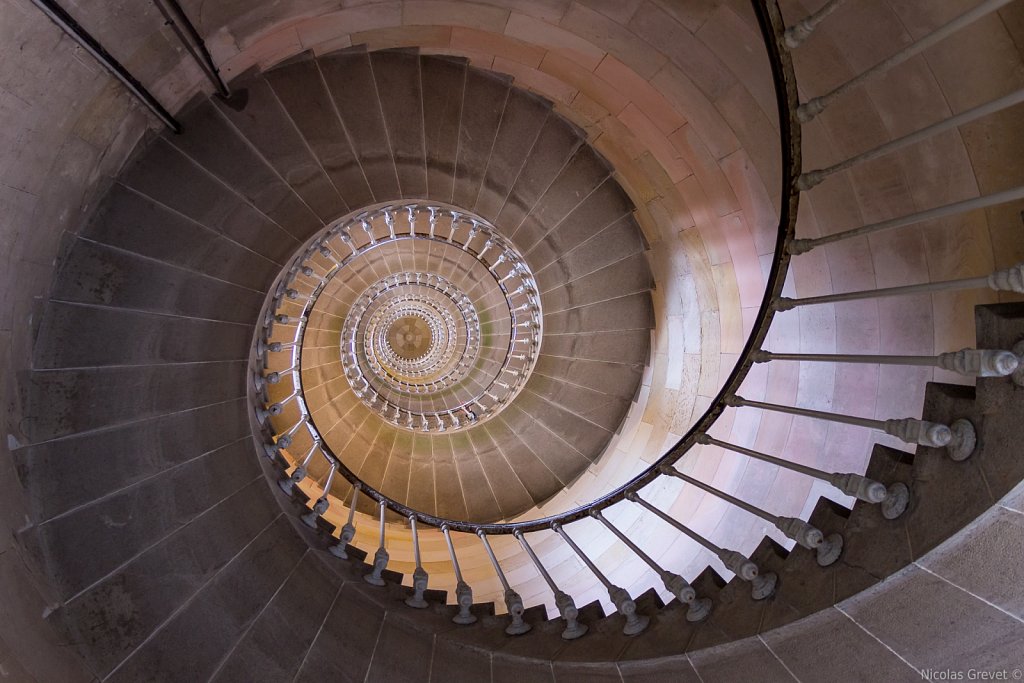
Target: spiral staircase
<point>546,341</point>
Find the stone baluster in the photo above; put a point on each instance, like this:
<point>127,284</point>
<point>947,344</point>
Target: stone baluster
<point>283,440</point>
<point>808,110</point>
<point>513,601</point>
<point>624,604</point>
<point>893,499</point>
<point>348,532</point>
<point>299,473</point>
<point>463,591</point>
<point>563,601</point>
<point>762,585</point>
<point>806,535</point>
<point>967,362</point>
<point>810,179</point>
<point>419,575</point>
<point>380,558</point>
<point>959,438</point>
<point>698,608</point>
<point>322,503</point>
<point>796,34</point>
<point>1006,280</point>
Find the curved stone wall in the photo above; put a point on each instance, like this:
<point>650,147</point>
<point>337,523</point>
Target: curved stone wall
<point>723,142</point>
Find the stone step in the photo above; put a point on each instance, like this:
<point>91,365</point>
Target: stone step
<point>484,101</point>
<point>524,116</point>
<point>275,645</point>
<point>133,222</point>
<point>399,86</point>
<point>90,273</point>
<point>444,82</point>
<point>169,177</point>
<point>263,121</point>
<point>598,250</point>
<point>349,79</point>
<point>623,278</point>
<point>510,494</point>
<point>76,336</point>
<point>103,534</point>
<point>217,616</point>
<point>581,436</point>
<point>211,141</point>
<point>73,471</point>
<point>581,176</point>
<point>606,412</point>
<point>529,468</point>
<point>198,551</point>
<point>302,91</point>
<point>59,403</point>
<point>557,143</point>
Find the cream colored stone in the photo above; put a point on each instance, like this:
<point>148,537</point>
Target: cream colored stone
<point>531,30</point>
<point>658,145</point>
<point>614,38</point>
<point>497,44</point>
<point>404,36</point>
<point>535,80</point>
<point>569,71</point>
<point>452,13</point>
<point>689,101</point>
<point>347,21</point>
<point>641,93</point>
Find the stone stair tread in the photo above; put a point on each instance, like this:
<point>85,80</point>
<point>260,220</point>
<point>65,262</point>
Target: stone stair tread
<point>603,207</point>
<point>613,379</point>
<point>625,347</point>
<point>443,91</point>
<point>557,143</point>
<point>521,123</point>
<point>509,492</point>
<point>397,74</point>
<point>536,477</point>
<point>84,336</point>
<point>620,239</point>
<point>349,78</point>
<point>217,617</point>
<point>133,222</point>
<point>266,125</point>
<point>217,146</point>
<point>585,437</point>
<point>581,176</point>
<point>167,176</point>
<point>478,128</point>
<point>302,91</point>
<point>629,312</point>
<point>630,275</point>
<point>279,638</point>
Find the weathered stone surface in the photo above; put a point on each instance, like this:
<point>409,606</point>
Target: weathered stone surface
<point>398,79</point>
<point>349,78</point>
<point>221,612</point>
<point>302,91</point>
<point>99,537</point>
<point>277,641</point>
<point>61,402</point>
<point>259,116</point>
<point>112,618</point>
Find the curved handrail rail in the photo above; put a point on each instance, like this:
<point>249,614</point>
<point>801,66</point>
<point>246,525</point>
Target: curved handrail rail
<point>787,102</point>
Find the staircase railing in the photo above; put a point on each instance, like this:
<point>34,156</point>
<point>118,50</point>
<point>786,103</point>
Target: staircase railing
<point>958,437</point>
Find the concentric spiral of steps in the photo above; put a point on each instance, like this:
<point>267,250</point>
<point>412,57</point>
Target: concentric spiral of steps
<point>296,619</point>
